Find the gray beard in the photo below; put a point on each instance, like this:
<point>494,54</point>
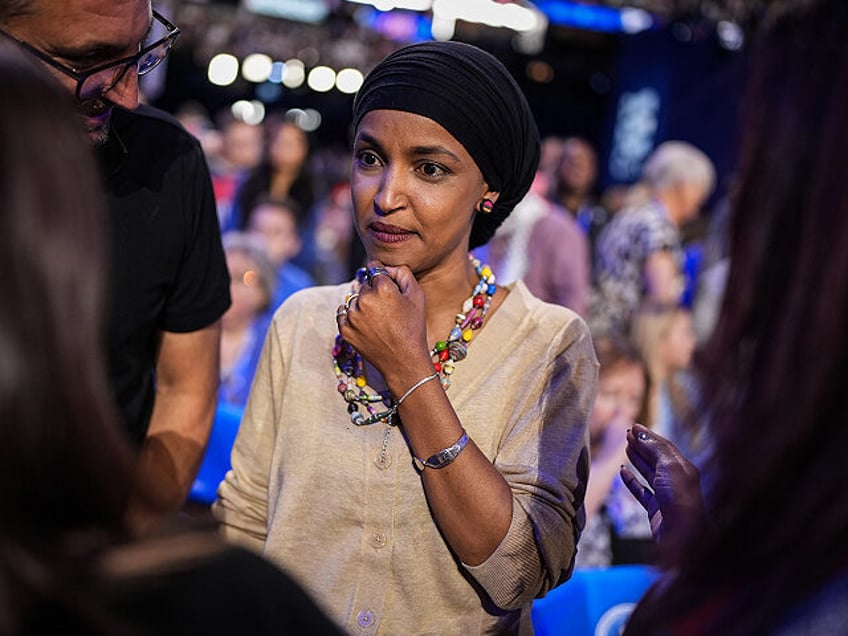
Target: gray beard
<point>100,136</point>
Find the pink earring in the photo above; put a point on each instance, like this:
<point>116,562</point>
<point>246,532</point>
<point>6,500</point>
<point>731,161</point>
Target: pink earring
<point>486,206</point>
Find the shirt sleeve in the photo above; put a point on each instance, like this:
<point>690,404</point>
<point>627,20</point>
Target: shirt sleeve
<point>200,292</point>
<point>545,460</point>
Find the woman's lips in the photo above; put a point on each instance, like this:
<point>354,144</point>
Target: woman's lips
<point>386,233</point>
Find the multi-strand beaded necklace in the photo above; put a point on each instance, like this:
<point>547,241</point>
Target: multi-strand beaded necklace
<point>350,369</point>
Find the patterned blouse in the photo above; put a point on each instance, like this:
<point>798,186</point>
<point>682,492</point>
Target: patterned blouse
<point>623,247</point>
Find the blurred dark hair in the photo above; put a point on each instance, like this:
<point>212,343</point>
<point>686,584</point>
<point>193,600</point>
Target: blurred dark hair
<point>65,468</point>
<point>257,184</point>
<point>774,371</point>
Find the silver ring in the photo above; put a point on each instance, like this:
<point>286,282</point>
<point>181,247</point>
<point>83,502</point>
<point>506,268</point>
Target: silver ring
<point>341,312</point>
<point>350,298</point>
<point>372,272</point>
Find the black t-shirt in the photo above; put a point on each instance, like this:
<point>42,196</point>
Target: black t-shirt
<point>168,267</point>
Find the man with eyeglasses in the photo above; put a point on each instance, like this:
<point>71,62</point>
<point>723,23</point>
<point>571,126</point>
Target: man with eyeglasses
<point>169,277</point>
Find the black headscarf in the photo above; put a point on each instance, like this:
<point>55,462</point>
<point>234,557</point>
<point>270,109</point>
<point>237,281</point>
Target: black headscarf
<point>471,95</point>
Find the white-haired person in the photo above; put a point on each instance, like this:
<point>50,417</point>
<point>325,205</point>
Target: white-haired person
<point>639,255</point>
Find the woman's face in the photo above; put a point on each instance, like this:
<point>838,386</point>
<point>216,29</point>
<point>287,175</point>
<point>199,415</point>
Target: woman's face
<point>277,227</point>
<point>621,390</point>
<point>289,147</point>
<point>415,191</point>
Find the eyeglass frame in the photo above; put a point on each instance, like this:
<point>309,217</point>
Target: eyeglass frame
<point>126,62</point>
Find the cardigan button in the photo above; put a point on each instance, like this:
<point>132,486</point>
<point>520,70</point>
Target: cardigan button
<point>379,540</point>
<point>365,618</point>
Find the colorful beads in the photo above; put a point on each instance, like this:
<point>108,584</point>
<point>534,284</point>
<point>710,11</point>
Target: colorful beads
<point>441,345</point>
<point>360,381</point>
<point>458,351</point>
<point>467,335</point>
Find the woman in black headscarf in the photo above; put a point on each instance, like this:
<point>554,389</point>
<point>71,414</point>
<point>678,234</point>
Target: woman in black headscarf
<point>414,447</point>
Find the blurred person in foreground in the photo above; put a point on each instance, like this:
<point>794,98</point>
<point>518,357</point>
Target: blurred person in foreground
<point>765,553</point>
<point>395,457</point>
<point>639,255</point>
<point>168,277</point>
<point>68,561</point>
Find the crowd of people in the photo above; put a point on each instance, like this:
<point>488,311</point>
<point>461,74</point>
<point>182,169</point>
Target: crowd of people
<point>434,351</point>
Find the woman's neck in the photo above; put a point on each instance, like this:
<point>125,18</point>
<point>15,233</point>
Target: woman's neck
<point>446,291</point>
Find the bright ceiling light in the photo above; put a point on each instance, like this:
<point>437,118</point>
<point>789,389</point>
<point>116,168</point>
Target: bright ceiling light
<point>250,112</point>
<point>494,14</point>
<point>349,80</point>
<point>223,69</point>
<point>321,79</point>
<point>294,73</point>
<point>256,68</point>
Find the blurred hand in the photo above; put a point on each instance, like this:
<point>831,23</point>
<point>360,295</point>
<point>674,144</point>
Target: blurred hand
<point>674,496</point>
<point>613,443</point>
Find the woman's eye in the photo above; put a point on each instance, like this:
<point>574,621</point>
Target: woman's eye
<point>368,159</point>
<point>432,170</point>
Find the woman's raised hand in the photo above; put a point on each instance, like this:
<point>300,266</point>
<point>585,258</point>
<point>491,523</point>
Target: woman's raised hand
<point>674,496</point>
<point>386,322</point>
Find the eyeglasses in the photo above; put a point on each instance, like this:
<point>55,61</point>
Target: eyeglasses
<point>96,82</point>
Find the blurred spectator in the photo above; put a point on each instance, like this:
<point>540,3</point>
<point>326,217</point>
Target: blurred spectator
<point>253,282</point>
<point>542,245</point>
<point>664,337</point>
<point>275,222</point>
<point>574,183</point>
<point>240,152</point>
<point>549,158</point>
<point>639,254</point>
<point>713,276</point>
<point>620,401</point>
<point>338,250</point>
<point>282,173</point>
<point>194,118</point>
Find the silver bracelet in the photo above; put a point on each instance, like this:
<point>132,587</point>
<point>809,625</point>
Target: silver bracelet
<point>413,387</point>
<point>444,456</point>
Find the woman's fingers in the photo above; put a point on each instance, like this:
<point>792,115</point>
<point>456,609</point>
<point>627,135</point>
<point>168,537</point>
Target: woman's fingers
<point>643,495</point>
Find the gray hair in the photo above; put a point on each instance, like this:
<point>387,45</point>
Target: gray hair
<point>674,162</point>
<point>254,248</point>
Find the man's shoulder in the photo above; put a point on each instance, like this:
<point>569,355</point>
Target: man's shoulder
<point>151,124</point>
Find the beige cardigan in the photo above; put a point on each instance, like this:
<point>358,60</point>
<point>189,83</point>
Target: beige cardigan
<point>307,488</point>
